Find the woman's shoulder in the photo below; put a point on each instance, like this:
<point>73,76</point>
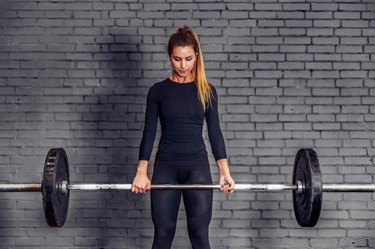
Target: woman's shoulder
<point>213,88</point>
<point>159,84</point>
<point>156,85</point>
<point>156,88</point>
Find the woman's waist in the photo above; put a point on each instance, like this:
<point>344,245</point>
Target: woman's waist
<point>181,138</point>
<point>191,160</point>
<point>182,150</point>
<point>181,132</point>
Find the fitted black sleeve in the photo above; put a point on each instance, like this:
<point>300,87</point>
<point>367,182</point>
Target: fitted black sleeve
<point>213,126</point>
<point>151,122</point>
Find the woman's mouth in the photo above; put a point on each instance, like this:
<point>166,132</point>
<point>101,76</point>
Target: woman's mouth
<point>182,71</point>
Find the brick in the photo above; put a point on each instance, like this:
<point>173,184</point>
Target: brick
<point>269,40</point>
<point>270,23</point>
<point>321,243</point>
<point>355,24</point>
<point>262,14</point>
<point>206,14</point>
<point>320,31</point>
<point>302,40</point>
<point>156,6</point>
<point>267,6</point>
<point>347,100</point>
<point>323,6</point>
<point>352,242</point>
<point>298,23</point>
<point>319,14</point>
<point>296,6</point>
<point>292,31</point>
<point>234,14</point>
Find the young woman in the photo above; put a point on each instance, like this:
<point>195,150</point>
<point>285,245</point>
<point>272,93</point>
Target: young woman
<point>182,102</point>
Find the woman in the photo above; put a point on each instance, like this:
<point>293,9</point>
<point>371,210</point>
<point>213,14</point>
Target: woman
<point>182,102</point>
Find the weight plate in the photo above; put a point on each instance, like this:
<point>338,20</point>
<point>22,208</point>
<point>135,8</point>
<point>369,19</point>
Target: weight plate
<point>55,202</point>
<point>308,202</point>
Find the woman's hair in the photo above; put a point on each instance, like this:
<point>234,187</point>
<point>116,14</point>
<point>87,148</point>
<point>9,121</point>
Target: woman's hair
<point>186,36</point>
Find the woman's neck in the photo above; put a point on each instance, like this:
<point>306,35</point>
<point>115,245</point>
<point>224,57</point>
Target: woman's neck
<point>176,78</point>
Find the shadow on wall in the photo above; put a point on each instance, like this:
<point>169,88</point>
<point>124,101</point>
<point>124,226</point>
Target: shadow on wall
<point>8,206</point>
<point>118,115</point>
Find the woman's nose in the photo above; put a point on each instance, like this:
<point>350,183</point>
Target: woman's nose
<point>183,64</point>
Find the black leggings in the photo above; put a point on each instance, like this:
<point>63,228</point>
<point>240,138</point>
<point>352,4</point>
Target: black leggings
<point>165,204</point>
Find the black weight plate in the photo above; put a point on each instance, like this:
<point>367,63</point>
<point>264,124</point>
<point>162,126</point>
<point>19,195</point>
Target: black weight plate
<point>307,204</point>
<point>55,202</point>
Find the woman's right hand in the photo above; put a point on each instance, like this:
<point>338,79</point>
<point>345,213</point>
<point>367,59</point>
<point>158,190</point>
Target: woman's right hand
<point>141,183</point>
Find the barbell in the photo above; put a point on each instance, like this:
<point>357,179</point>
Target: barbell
<point>307,187</point>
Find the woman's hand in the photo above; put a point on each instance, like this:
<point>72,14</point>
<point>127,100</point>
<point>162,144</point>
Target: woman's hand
<point>225,180</point>
<point>227,184</point>
<point>141,183</point>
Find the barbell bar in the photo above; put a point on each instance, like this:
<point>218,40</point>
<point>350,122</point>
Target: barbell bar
<point>330,187</point>
<point>253,187</point>
<point>307,187</point>
<point>65,187</point>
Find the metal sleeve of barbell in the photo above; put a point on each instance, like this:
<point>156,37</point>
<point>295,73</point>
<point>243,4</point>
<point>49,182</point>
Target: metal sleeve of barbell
<point>20,187</point>
<point>349,187</point>
<point>253,187</point>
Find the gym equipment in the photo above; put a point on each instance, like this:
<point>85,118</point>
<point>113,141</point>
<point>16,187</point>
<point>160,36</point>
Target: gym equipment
<point>307,187</point>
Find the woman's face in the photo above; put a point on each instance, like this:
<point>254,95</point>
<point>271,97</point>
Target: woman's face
<point>182,60</point>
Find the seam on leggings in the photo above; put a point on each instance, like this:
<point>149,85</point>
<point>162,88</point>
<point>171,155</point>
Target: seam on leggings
<point>162,216</point>
<point>205,212</point>
<point>181,175</point>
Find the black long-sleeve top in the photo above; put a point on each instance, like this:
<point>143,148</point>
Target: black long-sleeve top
<point>181,117</point>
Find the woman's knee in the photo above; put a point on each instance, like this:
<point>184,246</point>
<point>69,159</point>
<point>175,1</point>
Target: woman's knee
<point>164,231</point>
<point>198,228</point>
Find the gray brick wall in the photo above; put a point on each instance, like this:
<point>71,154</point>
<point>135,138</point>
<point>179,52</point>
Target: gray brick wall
<point>290,74</point>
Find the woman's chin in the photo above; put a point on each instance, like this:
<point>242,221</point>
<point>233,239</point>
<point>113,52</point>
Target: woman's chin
<point>182,75</point>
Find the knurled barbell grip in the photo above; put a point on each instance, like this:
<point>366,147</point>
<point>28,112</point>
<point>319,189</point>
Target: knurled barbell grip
<point>343,187</point>
<point>253,187</point>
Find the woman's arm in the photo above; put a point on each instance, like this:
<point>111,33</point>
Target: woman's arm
<point>217,144</point>
<point>141,182</point>
<point>151,123</point>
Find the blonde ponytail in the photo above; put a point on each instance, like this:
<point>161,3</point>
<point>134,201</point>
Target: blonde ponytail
<point>186,36</point>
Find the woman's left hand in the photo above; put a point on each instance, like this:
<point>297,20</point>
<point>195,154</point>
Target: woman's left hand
<point>227,184</point>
